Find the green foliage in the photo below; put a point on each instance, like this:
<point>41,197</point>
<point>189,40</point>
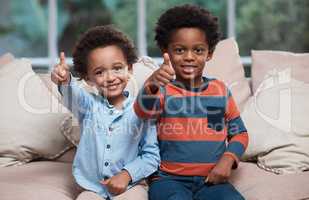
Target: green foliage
<point>125,16</point>
<point>273,24</point>
<point>261,24</point>
<point>24,31</point>
<point>79,15</point>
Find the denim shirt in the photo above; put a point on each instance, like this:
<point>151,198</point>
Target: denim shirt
<point>111,140</point>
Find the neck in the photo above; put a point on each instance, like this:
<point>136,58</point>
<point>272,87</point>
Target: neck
<point>192,83</point>
<point>117,102</point>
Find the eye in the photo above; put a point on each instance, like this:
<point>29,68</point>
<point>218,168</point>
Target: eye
<point>179,50</point>
<point>199,51</point>
<point>118,69</point>
<point>98,73</point>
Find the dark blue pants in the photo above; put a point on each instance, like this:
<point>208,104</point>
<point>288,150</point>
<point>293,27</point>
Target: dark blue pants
<point>169,187</point>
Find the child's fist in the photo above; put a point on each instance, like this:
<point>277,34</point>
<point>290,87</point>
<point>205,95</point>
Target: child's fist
<point>163,75</point>
<point>61,74</point>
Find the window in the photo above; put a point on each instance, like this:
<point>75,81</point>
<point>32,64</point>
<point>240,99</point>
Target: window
<point>23,28</point>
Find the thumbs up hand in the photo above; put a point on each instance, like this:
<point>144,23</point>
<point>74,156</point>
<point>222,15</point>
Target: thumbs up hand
<point>61,74</point>
<point>161,76</point>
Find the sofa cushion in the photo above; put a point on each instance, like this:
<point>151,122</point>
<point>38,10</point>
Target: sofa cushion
<point>68,156</point>
<point>256,184</point>
<point>264,61</point>
<point>226,65</point>
<point>30,117</point>
<point>277,122</point>
<point>37,181</point>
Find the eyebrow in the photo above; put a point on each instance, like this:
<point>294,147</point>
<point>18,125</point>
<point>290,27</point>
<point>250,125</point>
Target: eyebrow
<point>181,45</point>
<point>117,63</point>
<point>113,64</point>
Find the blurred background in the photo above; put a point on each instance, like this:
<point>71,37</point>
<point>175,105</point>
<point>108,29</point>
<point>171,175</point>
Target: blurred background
<point>39,29</point>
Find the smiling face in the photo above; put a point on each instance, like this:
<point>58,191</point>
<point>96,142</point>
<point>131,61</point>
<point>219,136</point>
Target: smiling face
<point>188,50</point>
<point>108,71</point>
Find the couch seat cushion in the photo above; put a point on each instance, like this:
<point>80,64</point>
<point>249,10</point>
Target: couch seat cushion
<point>256,184</point>
<point>37,181</point>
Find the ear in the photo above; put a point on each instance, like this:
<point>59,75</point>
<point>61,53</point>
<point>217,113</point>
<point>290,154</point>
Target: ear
<point>209,56</point>
<point>130,69</point>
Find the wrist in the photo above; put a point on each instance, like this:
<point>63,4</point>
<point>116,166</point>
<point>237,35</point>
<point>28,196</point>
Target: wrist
<point>151,87</point>
<point>228,160</point>
<point>127,175</point>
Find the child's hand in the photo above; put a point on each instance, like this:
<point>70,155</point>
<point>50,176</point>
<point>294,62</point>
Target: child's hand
<point>118,183</point>
<point>163,75</point>
<point>221,172</point>
<point>61,74</point>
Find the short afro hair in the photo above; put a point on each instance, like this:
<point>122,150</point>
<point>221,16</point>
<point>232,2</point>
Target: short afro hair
<point>187,16</point>
<point>100,36</point>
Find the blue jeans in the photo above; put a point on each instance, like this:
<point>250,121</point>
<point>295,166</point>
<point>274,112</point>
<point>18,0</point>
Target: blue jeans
<point>170,187</point>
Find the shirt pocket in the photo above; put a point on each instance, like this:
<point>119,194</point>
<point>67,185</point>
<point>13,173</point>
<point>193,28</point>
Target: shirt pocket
<point>215,117</point>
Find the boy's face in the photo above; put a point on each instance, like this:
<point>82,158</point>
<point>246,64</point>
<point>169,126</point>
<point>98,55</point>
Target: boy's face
<point>188,51</point>
<point>108,71</point>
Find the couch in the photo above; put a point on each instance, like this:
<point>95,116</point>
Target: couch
<point>274,167</point>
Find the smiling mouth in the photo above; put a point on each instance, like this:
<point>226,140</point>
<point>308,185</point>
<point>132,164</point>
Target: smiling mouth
<point>112,87</point>
<point>188,68</point>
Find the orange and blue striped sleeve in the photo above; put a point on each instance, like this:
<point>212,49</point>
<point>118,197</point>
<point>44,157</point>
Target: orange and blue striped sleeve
<point>149,105</point>
<point>236,130</point>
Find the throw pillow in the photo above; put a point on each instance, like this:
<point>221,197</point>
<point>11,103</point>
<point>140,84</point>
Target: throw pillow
<point>30,117</point>
<point>226,65</point>
<point>277,121</point>
<point>263,61</point>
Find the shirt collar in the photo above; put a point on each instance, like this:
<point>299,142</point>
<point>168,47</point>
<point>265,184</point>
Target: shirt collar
<point>128,100</point>
<point>203,87</point>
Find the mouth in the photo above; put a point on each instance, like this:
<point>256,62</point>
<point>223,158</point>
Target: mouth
<point>188,68</point>
<point>112,86</point>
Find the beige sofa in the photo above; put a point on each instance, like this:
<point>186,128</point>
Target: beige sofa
<point>34,174</point>
<point>53,180</point>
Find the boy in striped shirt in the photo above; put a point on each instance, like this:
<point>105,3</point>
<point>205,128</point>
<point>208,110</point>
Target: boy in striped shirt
<point>201,135</point>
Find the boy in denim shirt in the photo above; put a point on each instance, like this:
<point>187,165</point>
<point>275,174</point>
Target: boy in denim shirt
<point>116,148</point>
<point>201,135</point>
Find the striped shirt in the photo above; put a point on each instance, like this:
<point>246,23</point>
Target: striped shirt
<point>196,126</point>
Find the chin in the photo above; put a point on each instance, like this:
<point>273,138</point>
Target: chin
<point>111,94</point>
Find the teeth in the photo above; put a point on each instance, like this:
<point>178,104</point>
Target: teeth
<point>188,69</point>
<point>112,87</point>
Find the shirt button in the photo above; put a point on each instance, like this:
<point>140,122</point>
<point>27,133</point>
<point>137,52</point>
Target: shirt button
<point>106,164</point>
<point>111,112</point>
<point>108,146</point>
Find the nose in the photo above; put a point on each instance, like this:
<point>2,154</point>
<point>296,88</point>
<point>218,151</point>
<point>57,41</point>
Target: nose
<point>110,77</point>
<point>189,56</point>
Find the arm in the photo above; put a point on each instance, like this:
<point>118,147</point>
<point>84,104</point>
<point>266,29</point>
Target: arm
<point>237,143</point>
<point>74,98</point>
<point>148,159</point>
<point>236,130</point>
<point>149,102</point>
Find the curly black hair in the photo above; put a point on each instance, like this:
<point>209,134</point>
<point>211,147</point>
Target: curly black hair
<point>100,36</point>
<point>187,16</point>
